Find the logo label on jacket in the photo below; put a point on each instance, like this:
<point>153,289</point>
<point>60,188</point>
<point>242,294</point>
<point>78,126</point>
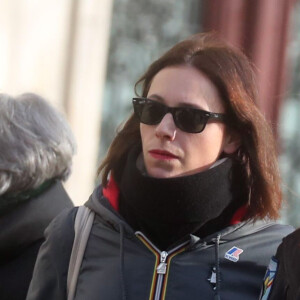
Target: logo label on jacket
<point>234,254</point>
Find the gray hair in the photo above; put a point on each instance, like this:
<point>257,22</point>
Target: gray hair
<point>36,143</point>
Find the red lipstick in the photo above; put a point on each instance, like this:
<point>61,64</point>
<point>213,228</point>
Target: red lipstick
<point>162,154</point>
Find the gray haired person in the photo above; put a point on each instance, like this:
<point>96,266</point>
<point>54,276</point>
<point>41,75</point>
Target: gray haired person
<point>36,150</point>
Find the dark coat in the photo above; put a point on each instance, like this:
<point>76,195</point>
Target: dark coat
<point>122,264</point>
<point>286,284</point>
<point>21,235</point>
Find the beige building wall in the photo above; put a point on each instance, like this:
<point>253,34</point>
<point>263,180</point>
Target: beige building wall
<point>58,49</point>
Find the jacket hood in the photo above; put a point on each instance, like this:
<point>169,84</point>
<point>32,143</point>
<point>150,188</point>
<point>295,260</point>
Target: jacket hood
<point>101,206</point>
<point>25,224</point>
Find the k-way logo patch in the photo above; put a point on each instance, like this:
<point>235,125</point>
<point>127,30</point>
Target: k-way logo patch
<point>234,254</point>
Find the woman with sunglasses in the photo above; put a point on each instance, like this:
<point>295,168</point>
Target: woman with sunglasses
<point>189,186</point>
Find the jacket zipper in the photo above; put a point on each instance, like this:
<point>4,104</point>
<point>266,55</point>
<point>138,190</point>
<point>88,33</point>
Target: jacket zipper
<point>162,268</point>
<point>161,271</point>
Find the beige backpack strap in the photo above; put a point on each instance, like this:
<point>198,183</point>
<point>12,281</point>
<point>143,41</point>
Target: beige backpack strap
<point>82,226</point>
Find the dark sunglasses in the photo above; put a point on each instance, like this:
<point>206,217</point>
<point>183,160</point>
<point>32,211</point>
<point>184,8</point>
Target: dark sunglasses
<point>187,119</point>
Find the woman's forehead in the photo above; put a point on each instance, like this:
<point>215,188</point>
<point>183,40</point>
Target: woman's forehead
<point>185,85</point>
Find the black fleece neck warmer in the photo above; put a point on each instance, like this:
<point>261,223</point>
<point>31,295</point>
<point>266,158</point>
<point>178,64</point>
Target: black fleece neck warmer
<point>167,210</point>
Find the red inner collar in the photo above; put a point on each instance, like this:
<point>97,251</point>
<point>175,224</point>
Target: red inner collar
<point>111,192</point>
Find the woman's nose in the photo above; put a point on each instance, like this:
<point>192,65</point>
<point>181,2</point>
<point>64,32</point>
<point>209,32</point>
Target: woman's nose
<point>166,128</point>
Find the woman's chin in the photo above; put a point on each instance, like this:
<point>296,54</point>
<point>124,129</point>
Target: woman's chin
<point>167,173</point>
<point>161,173</point>
<point>157,172</point>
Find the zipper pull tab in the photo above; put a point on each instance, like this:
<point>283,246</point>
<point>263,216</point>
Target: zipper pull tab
<point>162,267</point>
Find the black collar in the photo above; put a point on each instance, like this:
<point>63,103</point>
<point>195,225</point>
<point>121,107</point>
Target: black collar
<point>166,210</point>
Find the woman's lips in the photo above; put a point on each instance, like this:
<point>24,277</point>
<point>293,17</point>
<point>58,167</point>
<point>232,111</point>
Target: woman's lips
<point>162,154</point>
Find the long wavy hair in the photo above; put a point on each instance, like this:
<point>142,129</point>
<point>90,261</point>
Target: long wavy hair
<point>232,73</point>
<point>36,143</point>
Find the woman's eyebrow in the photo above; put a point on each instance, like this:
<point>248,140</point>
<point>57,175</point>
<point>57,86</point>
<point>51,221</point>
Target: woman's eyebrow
<point>189,105</point>
<point>156,97</point>
<point>180,104</point>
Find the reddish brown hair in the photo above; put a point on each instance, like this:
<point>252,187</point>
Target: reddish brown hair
<point>231,72</point>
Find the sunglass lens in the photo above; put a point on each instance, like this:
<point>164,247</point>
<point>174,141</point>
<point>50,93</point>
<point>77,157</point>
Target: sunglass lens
<point>190,120</point>
<point>151,113</point>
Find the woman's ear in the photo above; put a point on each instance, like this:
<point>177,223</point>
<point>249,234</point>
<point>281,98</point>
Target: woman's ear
<point>232,142</point>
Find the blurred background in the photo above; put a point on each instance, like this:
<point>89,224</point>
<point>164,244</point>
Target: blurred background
<point>84,56</point>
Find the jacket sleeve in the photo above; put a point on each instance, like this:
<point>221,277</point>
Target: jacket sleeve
<point>286,283</point>
<point>50,273</point>
<point>278,284</point>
